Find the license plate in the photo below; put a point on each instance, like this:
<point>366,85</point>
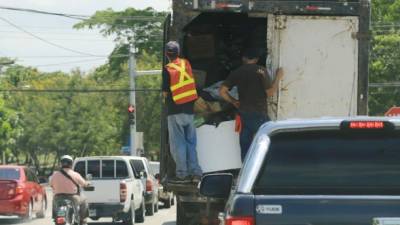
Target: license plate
<point>61,213</point>
<point>92,213</point>
<point>386,221</point>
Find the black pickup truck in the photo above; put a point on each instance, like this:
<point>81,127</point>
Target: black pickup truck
<point>316,172</point>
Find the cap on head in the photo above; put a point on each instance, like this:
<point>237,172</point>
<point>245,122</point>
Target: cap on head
<point>172,47</point>
<point>252,53</point>
<point>66,161</point>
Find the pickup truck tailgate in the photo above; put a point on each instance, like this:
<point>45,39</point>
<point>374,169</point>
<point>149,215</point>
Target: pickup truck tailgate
<point>320,210</point>
<point>106,191</point>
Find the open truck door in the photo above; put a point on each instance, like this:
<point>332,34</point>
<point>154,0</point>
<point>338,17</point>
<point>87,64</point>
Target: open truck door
<point>319,55</point>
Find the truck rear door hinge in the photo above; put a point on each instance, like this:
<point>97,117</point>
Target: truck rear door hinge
<point>280,22</point>
<point>361,35</point>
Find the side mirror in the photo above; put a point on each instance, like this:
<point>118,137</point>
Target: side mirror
<point>88,188</point>
<point>216,185</point>
<point>89,176</point>
<point>143,174</point>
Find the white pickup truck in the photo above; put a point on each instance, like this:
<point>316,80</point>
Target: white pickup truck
<point>119,192</point>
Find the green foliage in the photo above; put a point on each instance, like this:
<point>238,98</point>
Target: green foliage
<point>142,27</point>
<point>385,55</point>
<point>384,68</point>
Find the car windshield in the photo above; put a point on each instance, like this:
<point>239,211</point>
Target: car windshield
<point>331,162</point>
<point>9,174</point>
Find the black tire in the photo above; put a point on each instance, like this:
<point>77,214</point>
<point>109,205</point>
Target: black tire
<point>156,206</point>
<point>168,203</point>
<point>139,214</point>
<point>180,214</point>
<point>173,200</point>
<point>150,209</point>
<point>29,214</point>
<point>130,217</point>
<point>42,212</point>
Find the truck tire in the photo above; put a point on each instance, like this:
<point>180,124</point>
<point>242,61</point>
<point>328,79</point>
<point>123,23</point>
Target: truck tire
<point>180,214</point>
<point>167,203</point>
<point>130,217</point>
<point>150,209</point>
<point>156,206</point>
<point>139,214</point>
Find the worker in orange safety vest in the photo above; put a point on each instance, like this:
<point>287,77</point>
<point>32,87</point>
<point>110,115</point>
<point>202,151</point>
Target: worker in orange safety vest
<point>179,92</point>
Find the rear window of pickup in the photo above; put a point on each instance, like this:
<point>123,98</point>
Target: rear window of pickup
<point>103,169</point>
<point>331,163</point>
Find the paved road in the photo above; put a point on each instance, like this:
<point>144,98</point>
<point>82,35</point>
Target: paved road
<point>162,217</point>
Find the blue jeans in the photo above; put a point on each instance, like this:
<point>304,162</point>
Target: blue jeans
<point>251,121</point>
<point>182,141</point>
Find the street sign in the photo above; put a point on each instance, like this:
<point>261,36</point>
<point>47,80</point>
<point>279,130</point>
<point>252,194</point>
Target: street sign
<point>394,111</point>
<point>126,150</point>
<point>131,109</point>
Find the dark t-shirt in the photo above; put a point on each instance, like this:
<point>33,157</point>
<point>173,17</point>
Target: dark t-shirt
<point>252,81</point>
<point>173,108</point>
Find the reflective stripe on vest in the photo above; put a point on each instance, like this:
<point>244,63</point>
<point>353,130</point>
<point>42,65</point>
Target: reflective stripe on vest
<point>183,89</point>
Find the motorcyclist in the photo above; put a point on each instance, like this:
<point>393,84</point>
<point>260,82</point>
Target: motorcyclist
<point>66,184</point>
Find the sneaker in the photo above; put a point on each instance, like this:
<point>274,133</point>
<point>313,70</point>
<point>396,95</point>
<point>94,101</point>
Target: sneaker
<point>179,180</point>
<point>196,179</point>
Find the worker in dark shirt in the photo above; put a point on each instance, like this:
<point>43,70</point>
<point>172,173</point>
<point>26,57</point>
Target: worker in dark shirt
<point>179,92</point>
<point>254,86</point>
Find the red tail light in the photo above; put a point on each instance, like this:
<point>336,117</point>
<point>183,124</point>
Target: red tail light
<point>60,220</point>
<point>123,192</point>
<point>245,220</point>
<point>149,185</point>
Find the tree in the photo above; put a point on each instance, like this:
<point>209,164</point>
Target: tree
<point>144,28</point>
<point>385,59</point>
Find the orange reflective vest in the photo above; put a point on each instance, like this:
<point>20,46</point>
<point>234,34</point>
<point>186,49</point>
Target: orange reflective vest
<point>182,84</point>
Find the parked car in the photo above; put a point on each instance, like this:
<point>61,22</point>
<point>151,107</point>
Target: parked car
<point>315,171</point>
<point>21,193</point>
<point>164,196</point>
<point>118,188</point>
<point>141,165</point>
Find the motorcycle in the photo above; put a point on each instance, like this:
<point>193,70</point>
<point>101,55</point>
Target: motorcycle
<point>66,212</point>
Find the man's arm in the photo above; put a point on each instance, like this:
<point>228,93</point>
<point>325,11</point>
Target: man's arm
<point>279,75</point>
<point>165,84</point>
<point>224,92</point>
<point>79,179</point>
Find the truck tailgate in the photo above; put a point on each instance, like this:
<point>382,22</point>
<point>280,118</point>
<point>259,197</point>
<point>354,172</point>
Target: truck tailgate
<point>7,189</point>
<point>106,191</point>
<point>320,210</point>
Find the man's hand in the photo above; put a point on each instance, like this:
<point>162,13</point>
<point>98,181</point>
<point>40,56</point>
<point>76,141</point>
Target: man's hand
<point>224,92</point>
<point>236,103</point>
<point>164,96</point>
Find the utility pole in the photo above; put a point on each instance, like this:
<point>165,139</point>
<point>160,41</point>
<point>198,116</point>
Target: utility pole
<point>132,97</point>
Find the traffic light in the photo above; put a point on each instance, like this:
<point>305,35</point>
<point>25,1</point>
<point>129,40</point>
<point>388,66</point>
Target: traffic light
<point>131,115</point>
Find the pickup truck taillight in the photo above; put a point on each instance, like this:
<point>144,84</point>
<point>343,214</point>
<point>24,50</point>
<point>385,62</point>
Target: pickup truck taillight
<point>149,185</point>
<point>123,191</point>
<point>245,220</point>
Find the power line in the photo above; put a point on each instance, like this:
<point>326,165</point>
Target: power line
<point>44,40</point>
<point>83,17</point>
<point>71,16</point>
<point>78,90</point>
<point>67,63</point>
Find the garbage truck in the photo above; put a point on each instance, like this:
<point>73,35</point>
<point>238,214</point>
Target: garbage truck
<point>322,46</point>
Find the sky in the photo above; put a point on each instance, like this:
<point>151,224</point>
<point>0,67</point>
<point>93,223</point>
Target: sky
<point>31,51</point>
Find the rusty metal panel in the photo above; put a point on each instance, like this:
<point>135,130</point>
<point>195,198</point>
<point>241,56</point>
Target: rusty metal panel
<point>320,59</point>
